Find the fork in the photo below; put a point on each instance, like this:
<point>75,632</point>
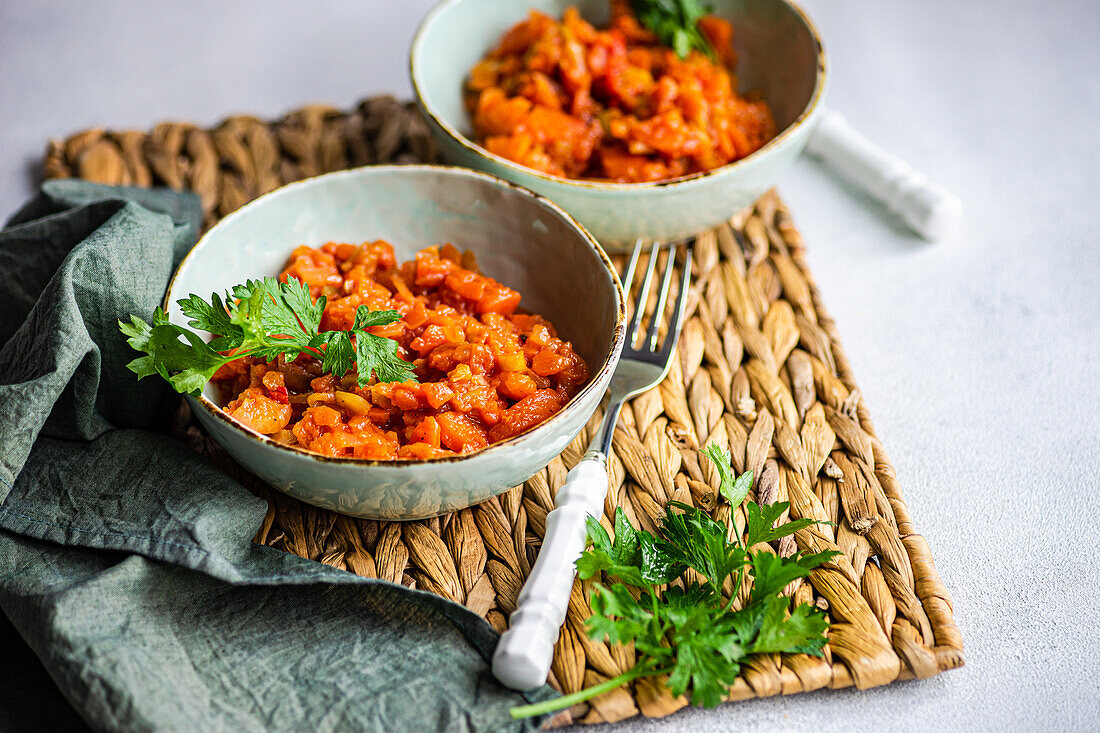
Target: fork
<point>523,653</point>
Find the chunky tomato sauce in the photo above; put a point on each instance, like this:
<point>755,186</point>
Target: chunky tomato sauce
<point>486,371</point>
<point>567,99</point>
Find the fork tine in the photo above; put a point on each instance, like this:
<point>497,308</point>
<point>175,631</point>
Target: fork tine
<point>662,297</point>
<point>673,333</point>
<point>643,297</point>
<point>628,276</point>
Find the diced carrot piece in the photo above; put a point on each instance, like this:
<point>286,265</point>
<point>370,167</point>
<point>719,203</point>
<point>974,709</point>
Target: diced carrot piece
<point>422,452</point>
<point>516,386</point>
<point>259,412</point>
<point>460,434</point>
<point>499,300</point>
<point>436,394</point>
<point>426,431</point>
<point>466,284</point>
<point>525,414</point>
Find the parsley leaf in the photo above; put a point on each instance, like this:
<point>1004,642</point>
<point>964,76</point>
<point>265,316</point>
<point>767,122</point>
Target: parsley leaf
<point>186,366</point>
<point>734,488</point>
<point>212,317</point>
<point>288,315</point>
<point>760,521</point>
<point>262,319</point>
<point>377,354</point>
<point>365,318</point>
<point>802,632</point>
<point>295,297</point>
<point>625,550</point>
<point>633,558</point>
<point>771,573</point>
<point>675,23</point>
<point>620,618</point>
<point>339,351</point>
<point>707,655</point>
<point>694,539</point>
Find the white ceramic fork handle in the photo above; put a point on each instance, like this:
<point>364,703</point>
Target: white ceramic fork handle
<point>929,209</point>
<point>523,654</point>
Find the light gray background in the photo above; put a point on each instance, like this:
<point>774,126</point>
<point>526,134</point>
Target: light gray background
<point>978,356</point>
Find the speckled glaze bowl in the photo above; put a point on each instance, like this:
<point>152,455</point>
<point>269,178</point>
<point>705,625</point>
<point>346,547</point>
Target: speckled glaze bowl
<point>779,53</point>
<point>519,238</point>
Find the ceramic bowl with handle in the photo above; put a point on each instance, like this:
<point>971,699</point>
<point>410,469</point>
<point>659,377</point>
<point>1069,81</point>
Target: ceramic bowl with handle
<point>519,239</point>
<point>778,52</point>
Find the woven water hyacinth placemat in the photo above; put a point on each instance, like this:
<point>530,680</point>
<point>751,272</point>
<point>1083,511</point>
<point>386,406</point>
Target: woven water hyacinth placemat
<point>760,369</point>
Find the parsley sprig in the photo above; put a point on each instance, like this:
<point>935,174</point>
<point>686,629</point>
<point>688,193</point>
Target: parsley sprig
<point>675,23</point>
<point>263,319</point>
<point>691,632</point>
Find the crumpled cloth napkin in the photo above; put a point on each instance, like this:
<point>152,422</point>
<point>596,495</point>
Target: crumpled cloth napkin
<point>126,560</point>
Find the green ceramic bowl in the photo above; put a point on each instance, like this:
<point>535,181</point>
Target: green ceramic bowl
<point>779,53</point>
<point>519,238</point>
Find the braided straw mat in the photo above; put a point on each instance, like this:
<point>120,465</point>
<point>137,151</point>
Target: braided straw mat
<point>760,369</point>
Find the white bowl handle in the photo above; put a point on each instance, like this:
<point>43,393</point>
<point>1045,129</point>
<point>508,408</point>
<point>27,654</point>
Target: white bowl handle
<point>929,209</point>
<point>523,654</point>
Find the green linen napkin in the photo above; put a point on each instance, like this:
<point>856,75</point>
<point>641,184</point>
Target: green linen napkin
<point>126,560</point>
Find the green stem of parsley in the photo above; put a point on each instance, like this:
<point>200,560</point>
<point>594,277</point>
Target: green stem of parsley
<point>560,703</point>
<point>740,571</point>
<point>736,589</point>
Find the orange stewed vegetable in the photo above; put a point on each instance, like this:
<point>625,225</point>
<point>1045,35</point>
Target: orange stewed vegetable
<point>486,370</point>
<point>567,99</point>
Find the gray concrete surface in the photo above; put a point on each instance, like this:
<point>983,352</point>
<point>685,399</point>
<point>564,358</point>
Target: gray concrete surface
<point>979,356</point>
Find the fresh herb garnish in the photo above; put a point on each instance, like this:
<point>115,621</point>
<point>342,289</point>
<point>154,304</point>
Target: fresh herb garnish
<point>675,23</point>
<point>263,319</point>
<point>691,632</point>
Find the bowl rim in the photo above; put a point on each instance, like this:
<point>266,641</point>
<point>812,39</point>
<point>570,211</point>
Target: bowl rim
<point>808,112</point>
<point>607,367</point>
